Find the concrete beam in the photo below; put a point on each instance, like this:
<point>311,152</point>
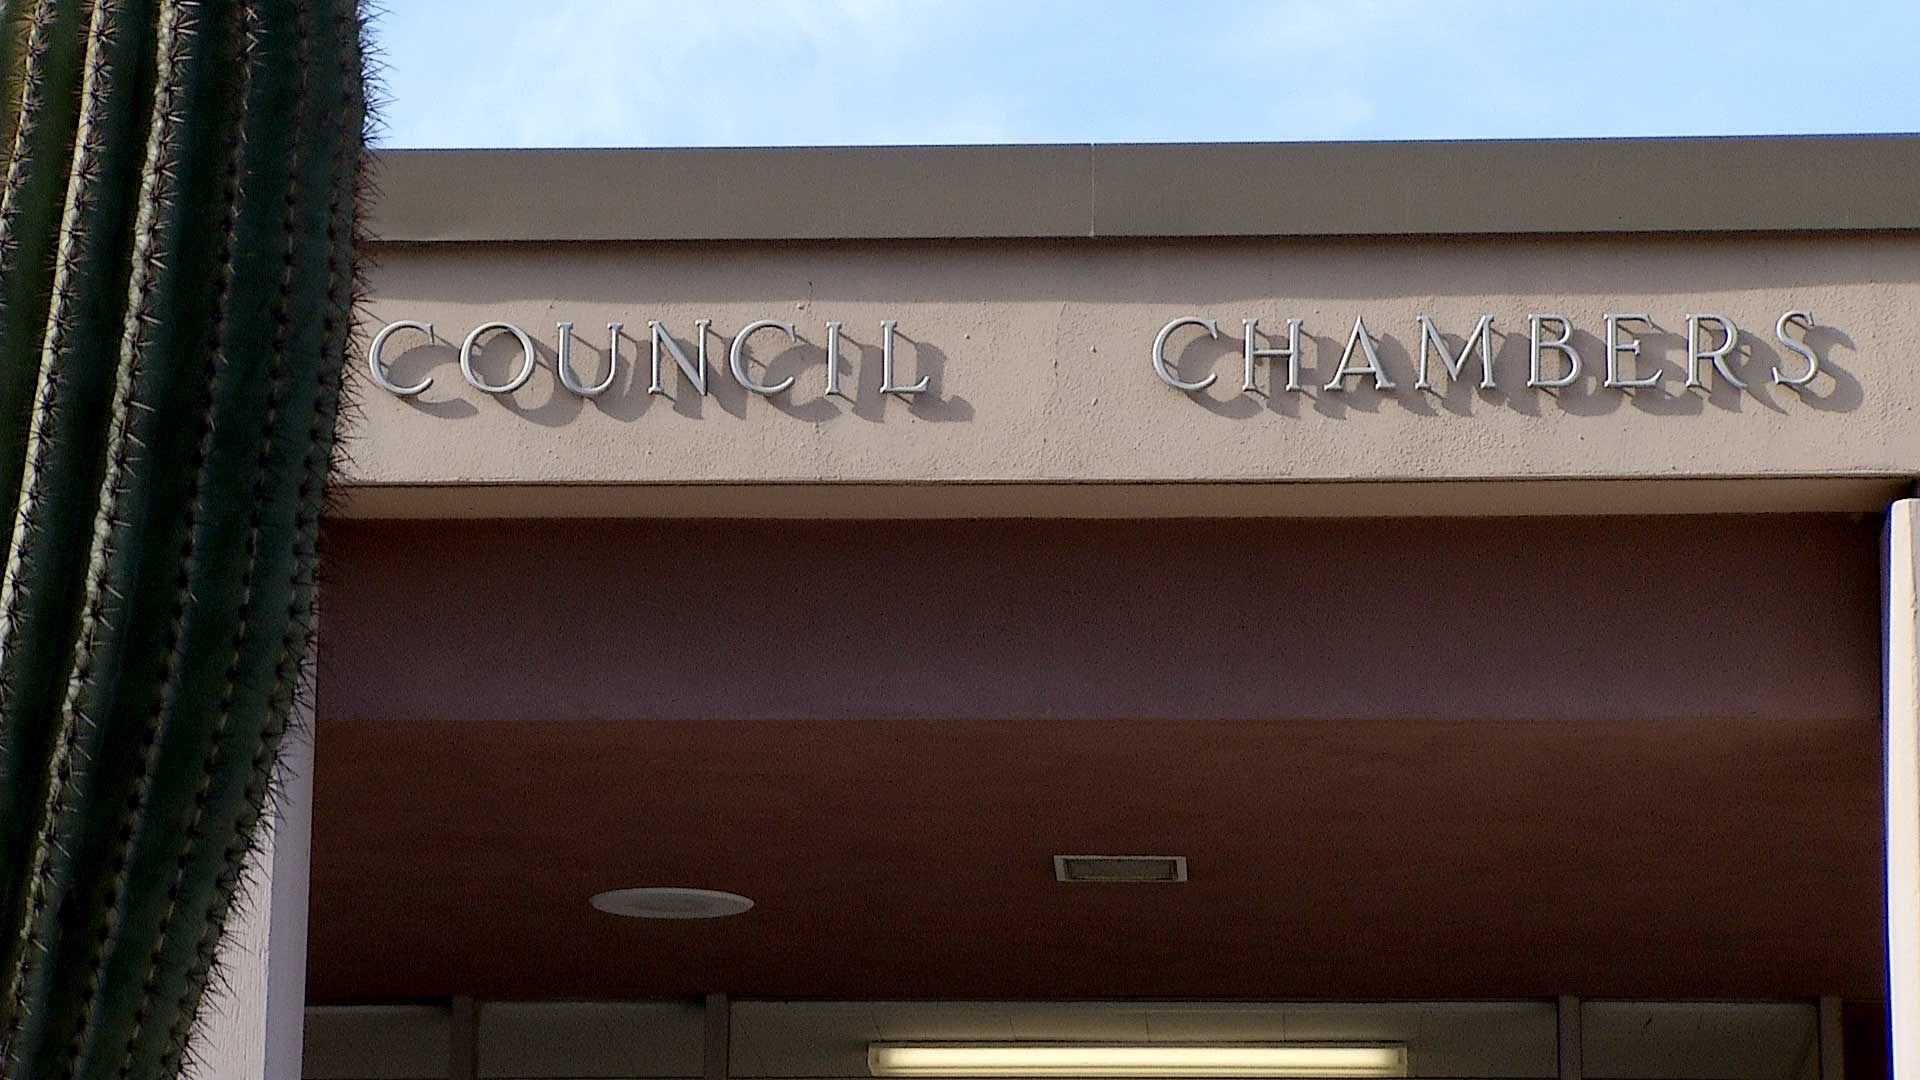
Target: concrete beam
<point>1790,183</point>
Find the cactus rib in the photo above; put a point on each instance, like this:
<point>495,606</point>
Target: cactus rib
<point>172,464</point>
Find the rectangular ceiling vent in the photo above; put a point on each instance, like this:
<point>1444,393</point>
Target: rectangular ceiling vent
<point>1120,867</point>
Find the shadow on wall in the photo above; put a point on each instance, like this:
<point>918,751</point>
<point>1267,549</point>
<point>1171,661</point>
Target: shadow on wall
<point>800,367</point>
<point>1663,353</point>
<point>545,400</point>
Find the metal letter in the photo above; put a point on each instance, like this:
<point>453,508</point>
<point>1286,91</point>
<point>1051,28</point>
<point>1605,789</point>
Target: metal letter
<point>563,361</point>
<point>1359,337</point>
<point>1631,346</point>
<point>1562,344</point>
<point>887,385</point>
<point>1801,347</point>
<point>526,353</point>
<point>1160,352</point>
<point>833,360</point>
<point>695,372</point>
<point>1291,352</point>
<point>737,356</point>
<point>377,363</point>
<point>1430,339</point>
<point>1695,353</point>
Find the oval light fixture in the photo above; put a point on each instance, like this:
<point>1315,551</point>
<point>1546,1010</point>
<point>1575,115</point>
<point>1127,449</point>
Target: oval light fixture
<point>671,902</point>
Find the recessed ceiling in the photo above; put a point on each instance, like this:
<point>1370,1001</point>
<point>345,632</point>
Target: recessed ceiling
<point>1461,759</point>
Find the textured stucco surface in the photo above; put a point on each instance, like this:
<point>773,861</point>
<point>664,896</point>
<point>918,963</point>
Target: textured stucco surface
<point>1039,358</point>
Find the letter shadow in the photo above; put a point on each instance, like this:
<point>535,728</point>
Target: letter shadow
<point>1835,389</point>
<point>912,359</point>
<point>541,398</point>
<point>438,361</point>
<point>1206,355</point>
<point>1458,396</point>
<point>1662,353</point>
<point>806,399</point>
<point>627,399</point>
<point>1357,392</point>
<point>1587,395</point>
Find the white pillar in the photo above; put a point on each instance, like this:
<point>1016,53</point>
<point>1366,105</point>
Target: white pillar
<point>1902,665</point>
<point>250,1028</point>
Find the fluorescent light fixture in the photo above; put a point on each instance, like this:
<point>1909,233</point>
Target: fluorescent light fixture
<point>1008,1059</point>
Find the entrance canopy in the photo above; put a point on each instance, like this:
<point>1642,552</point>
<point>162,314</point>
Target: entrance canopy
<point>1466,558</point>
<point>1458,759</point>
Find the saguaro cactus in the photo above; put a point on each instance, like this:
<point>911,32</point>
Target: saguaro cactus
<point>177,229</point>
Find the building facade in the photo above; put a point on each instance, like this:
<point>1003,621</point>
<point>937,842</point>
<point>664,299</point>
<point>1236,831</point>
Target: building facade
<point>1480,575</point>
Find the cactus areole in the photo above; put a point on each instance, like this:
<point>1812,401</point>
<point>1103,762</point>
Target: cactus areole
<point>177,231</point>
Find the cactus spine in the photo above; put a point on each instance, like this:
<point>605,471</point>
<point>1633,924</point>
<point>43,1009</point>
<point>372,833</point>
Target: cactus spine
<point>177,228</point>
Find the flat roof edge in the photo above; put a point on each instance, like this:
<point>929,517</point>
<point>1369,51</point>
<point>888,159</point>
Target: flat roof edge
<point>1812,183</point>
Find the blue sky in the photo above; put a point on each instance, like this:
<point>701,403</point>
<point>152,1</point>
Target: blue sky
<point>793,72</point>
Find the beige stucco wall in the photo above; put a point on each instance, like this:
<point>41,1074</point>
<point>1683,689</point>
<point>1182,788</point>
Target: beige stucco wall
<point>1039,357</point>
